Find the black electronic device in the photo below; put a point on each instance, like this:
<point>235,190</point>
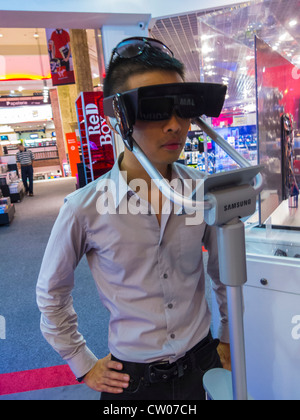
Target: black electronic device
<point>159,102</point>
<point>124,125</point>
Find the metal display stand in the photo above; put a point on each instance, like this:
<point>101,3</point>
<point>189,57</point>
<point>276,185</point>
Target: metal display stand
<point>228,198</point>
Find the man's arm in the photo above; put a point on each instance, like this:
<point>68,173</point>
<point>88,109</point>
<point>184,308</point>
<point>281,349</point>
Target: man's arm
<point>18,164</point>
<point>66,246</point>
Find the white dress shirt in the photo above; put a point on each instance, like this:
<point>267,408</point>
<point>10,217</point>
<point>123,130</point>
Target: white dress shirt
<point>149,276</point>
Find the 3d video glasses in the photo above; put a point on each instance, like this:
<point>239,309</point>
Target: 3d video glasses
<point>159,102</point>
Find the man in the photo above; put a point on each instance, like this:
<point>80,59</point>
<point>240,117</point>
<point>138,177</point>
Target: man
<point>147,264</point>
<point>25,158</point>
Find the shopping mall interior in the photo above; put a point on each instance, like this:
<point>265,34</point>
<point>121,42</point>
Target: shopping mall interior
<point>253,48</point>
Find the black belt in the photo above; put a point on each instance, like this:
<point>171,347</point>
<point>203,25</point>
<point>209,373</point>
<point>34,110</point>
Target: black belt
<point>164,371</point>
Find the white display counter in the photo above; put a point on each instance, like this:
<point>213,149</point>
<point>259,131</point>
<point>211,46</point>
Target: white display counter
<point>272,314</point>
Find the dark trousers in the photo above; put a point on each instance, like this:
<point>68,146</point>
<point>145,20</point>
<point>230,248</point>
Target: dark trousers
<point>27,173</point>
<point>185,386</point>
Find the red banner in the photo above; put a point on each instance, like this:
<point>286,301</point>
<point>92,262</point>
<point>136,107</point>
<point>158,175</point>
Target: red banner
<point>60,55</point>
<point>73,152</point>
<point>95,135</point>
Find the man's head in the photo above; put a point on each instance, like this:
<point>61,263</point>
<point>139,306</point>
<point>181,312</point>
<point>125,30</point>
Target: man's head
<point>150,58</point>
<point>21,147</point>
<point>161,141</point>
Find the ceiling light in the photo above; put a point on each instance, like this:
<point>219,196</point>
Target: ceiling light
<point>284,37</point>
<point>250,107</point>
<point>1,35</point>
<point>36,35</point>
<point>293,23</point>
<point>206,49</point>
<point>205,37</point>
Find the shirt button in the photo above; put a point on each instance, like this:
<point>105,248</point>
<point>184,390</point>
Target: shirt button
<point>166,276</point>
<point>172,336</point>
<point>170,306</point>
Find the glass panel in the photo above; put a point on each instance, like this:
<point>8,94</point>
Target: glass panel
<point>224,59</point>
<point>278,102</point>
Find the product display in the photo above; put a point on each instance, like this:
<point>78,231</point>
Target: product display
<point>7,210</point>
<point>3,208</point>
<point>3,168</point>
<point>16,187</point>
<point>5,201</point>
<point>97,145</point>
<point>289,183</point>
<point>11,191</point>
<point>205,155</point>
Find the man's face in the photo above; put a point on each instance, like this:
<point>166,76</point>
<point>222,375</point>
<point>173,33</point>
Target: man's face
<point>21,148</point>
<point>161,141</point>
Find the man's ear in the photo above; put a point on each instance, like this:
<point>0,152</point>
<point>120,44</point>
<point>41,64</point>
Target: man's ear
<point>108,122</point>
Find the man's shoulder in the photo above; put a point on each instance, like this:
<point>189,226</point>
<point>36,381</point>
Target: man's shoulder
<point>87,195</point>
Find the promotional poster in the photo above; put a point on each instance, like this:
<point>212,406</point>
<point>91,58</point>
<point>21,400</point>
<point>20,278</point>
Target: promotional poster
<point>60,55</point>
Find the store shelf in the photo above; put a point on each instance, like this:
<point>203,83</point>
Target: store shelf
<point>17,197</point>
<point>7,218</point>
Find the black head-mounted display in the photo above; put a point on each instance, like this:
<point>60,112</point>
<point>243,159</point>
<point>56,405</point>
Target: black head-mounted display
<point>160,102</point>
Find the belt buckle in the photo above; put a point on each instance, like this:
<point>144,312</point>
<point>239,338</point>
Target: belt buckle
<point>155,377</point>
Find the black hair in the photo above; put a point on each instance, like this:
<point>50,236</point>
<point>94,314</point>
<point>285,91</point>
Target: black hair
<point>120,69</point>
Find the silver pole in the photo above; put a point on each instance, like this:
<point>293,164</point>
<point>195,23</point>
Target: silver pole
<point>259,186</point>
<point>164,186</point>
<point>237,344</point>
<point>233,273</point>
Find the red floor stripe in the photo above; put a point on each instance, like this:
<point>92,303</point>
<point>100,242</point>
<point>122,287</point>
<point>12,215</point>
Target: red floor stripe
<point>33,380</point>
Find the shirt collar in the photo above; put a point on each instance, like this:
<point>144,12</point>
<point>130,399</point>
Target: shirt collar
<point>120,182</point>
<point>123,190</point>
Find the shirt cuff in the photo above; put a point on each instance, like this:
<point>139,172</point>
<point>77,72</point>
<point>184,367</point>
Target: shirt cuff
<point>83,362</point>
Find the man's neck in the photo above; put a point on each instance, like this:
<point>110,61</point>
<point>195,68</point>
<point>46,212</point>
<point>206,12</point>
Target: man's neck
<point>135,170</point>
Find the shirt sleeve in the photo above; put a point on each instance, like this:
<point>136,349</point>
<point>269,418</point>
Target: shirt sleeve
<point>18,157</point>
<point>31,155</point>
<point>59,326</point>
<point>211,245</point>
